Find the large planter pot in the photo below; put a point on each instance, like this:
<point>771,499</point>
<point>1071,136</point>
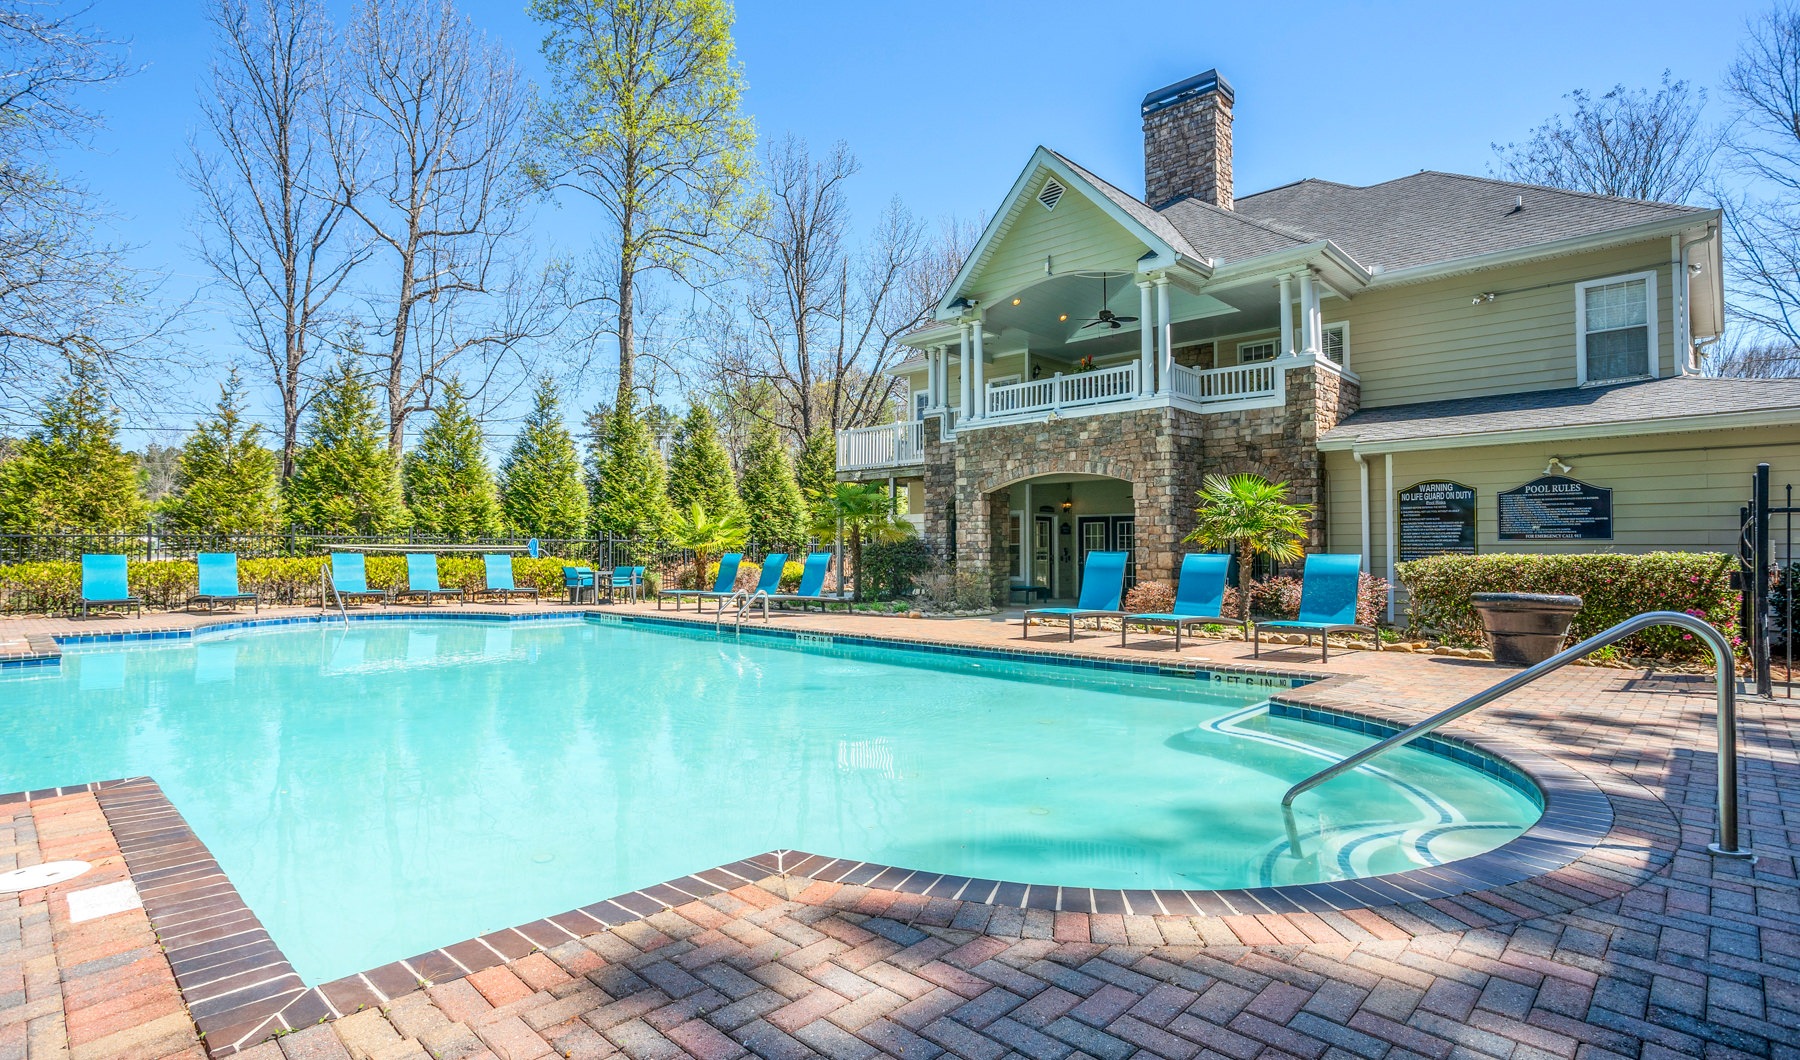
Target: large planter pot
<point>1524,629</point>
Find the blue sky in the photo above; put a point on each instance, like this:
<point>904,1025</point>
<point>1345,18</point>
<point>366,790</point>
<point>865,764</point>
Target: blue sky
<point>943,101</point>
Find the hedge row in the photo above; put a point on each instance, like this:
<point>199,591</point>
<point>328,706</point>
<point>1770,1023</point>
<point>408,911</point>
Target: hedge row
<point>1612,587</point>
<point>54,587</point>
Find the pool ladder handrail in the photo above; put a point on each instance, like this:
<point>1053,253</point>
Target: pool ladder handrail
<point>327,584</point>
<point>745,601</point>
<point>1725,676</point>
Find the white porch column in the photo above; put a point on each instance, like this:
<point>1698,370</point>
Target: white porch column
<point>962,380</point>
<point>980,372</point>
<point>1318,321</point>
<point>1146,342</point>
<point>1309,334</point>
<point>931,372</point>
<point>1164,336</point>
<point>1287,315</point>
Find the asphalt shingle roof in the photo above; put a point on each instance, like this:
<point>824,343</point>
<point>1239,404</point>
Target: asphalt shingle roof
<point>1432,217</point>
<point>1680,397</point>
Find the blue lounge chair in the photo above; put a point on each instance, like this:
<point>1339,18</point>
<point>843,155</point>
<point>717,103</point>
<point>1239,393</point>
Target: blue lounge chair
<point>579,582</point>
<point>422,580</point>
<point>723,585</point>
<point>219,582</point>
<point>1330,588</point>
<point>1102,583</point>
<point>499,569</point>
<point>768,583</point>
<point>811,589</point>
<point>104,584</point>
<point>1199,597</point>
<point>350,580</point>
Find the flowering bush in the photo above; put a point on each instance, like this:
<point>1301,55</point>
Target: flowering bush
<point>55,587</point>
<point>1269,598</point>
<point>1150,598</point>
<point>1612,587</point>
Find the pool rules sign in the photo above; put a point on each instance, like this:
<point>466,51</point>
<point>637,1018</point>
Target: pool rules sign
<point>1436,519</point>
<point>1554,508</point>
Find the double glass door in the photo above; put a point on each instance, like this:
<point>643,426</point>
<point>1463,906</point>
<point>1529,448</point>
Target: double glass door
<point>1108,533</point>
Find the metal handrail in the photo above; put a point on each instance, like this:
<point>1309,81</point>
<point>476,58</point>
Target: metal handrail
<point>1726,676</point>
<point>327,583</point>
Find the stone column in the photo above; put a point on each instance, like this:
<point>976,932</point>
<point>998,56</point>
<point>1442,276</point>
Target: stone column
<point>980,548</point>
<point>939,484</point>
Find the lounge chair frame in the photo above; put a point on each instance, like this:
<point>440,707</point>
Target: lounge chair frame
<point>701,595</point>
<point>212,600</point>
<point>814,566</point>
<point>430,594</point>
<point>1329,567</point>
<point>127,601</point>
<point>506,592</point>
<point>1192,565</point>
<point>350,596</point>
<point>1078,613</point>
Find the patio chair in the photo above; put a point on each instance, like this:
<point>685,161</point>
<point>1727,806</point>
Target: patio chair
<point>499,582</point>
<point>768,583</point>
<point>1330,588</point>
<point>350,580</point>
<point>422,580</point>
<point>1199,597</point>
<point>1102,583</point>
<point>811,589</point>
<point>722,585</point>
<point>630,579</point>
<point>579,583</point>
<point>104,584</point>
<point>219,582</point>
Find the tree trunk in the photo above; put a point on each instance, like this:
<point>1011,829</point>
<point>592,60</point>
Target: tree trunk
<point>627,339</point>
<point>856,563</point>
<point>396,367</point>
<point>1246,557</point>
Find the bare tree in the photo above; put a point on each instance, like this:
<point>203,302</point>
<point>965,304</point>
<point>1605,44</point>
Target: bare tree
<point>821,318</point>
<point>271,222</point>
<point>64,295</point>
<point>1752,359</point>
<point>1764,225</point>
<point>428,150</point>
<point>1631,142</point>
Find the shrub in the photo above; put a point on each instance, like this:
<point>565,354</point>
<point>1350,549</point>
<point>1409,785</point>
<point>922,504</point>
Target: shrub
<point>945,588</point>
<point>1279,597</point>
<point>1150,598</point>
<point>1612,587</point>
<point>890,567</point>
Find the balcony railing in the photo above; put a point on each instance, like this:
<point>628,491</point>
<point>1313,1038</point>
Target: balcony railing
<point>887,445</point>
<point>1239,382</point>
<point>1064,391</point>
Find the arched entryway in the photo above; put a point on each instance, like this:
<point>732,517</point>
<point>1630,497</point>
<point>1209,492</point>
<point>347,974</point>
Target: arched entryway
<point>1045,525</point>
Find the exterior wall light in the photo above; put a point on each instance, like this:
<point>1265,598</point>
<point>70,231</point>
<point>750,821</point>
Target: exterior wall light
<point>1557,467</point>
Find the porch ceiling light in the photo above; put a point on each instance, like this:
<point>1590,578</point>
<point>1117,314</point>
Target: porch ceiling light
<point>1015,301</point>
<point>1064,319</point>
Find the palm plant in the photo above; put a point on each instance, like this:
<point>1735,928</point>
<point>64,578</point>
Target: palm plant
<point>1251,516</point>
<point>863,512</point>
<point>707,535</point>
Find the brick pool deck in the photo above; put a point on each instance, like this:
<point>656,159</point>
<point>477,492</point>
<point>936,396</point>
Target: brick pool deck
<point>1643,947</point>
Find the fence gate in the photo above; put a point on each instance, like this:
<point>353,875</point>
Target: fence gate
<point>1767,578</point>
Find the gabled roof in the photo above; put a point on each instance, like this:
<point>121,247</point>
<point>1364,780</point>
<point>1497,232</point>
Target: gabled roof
<point>1679,402</point>
<point>1432,217</point>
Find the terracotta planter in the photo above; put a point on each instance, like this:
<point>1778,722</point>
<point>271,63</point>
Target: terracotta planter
<point>1524,629</point>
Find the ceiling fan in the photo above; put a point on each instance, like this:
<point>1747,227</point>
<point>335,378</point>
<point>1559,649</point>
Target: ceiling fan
<point>1107,316</point>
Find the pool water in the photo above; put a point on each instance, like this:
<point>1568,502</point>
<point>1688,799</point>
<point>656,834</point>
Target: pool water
<point>381,789</point>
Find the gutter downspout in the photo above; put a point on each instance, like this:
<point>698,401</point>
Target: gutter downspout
<point>1362,469</point>
<point>1388,506</point>
<point>1684,290</point>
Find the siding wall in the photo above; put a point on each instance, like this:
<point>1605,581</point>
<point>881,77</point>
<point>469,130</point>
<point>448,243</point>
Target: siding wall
<point>1670,491</point>
<point>1426,341</point>
<point>1077,235</point>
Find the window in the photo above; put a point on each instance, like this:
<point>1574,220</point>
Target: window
<point>1336,343</point>
<point>1004,380</point>
<point>1615,329</point>
<point>921,402</point>
<point>1251,352</point>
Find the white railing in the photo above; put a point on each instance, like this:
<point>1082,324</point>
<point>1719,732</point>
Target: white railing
<point>1064,391</point>
<point>888,445</point>
<point>1235,383</point>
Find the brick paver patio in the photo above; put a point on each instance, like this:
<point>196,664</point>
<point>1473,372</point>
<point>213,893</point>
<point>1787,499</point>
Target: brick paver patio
<point>1648,948</point>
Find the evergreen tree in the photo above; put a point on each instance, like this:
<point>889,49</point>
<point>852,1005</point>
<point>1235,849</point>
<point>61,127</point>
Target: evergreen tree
<point>630,497</point>
<point>699,467</point>
<point>345,479</point>
<point>772,503</point>
<point>224,478</point>
<point>540,483</point>
<point>816,471</point>
<point>449,490</point>
<point>70,473</point>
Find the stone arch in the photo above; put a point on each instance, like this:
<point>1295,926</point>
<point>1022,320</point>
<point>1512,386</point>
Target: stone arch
<point>1103,467</point>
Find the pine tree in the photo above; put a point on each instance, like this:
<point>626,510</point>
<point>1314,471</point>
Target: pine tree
<point>345,480</point>
<point>541,494</point>
<point>699,467</point>
<point>70,473</point>
<point>224,478</point>
<point>629,489</point>
<point>772,501</point>
<point>816,471</point>
<point>449,489</point>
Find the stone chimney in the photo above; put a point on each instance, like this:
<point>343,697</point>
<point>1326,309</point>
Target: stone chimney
<point>1187,142</point>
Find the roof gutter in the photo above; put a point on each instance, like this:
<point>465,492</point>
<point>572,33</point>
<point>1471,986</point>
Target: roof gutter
<point>1722,421</point>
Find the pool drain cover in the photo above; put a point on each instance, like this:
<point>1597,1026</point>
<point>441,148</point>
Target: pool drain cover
<point>41,875</point>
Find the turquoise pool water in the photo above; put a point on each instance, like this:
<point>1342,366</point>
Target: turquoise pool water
<point>379,790</point>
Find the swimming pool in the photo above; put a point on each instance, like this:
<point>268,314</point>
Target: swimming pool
<point>387,787</point>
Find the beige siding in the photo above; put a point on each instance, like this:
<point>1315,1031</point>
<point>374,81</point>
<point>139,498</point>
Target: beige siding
<point>1076,235</point>
<point>1670,491</point>
<point>1426,342</point>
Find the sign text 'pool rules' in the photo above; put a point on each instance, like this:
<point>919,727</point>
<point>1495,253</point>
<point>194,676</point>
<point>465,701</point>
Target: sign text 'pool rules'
<point>1436,519</point>
<point>1554,508</point>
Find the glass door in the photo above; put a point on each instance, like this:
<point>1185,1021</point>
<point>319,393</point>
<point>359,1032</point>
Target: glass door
<point>1043,539</point>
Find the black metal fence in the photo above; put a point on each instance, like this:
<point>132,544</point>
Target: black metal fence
<point>1767,565</point>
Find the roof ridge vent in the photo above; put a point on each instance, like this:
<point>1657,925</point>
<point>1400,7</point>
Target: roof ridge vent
<point>1051,193</point>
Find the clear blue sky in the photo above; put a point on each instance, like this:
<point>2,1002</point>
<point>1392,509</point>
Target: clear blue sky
<point>943,101</point>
